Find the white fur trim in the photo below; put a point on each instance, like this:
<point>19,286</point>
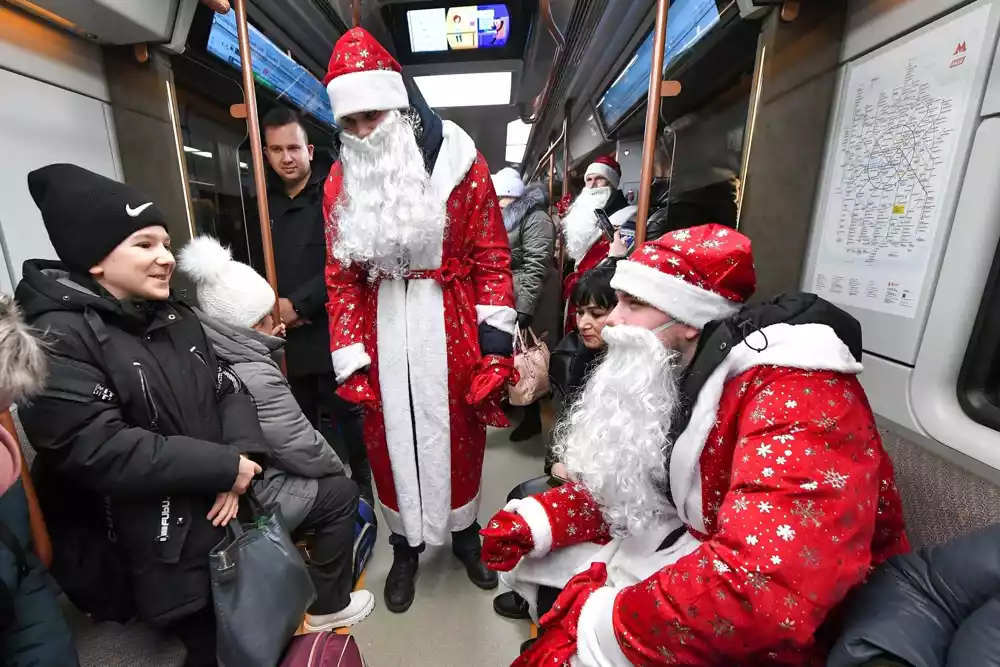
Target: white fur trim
<point>367,90</point>
<point>427,356</point>
<point>596,644</point>
<point>457,155</point>
<point>537,519</point>
<point>464,516</point>
<point>603,170</point>
<point>349,360</point>
<point>805,346</point>
<point>619,217</point>
<point>393,520</point>
<point>675,297</point>
<point>394,387</point>
<point>503,318</point>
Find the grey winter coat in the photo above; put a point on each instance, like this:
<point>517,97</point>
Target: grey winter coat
<point>531,236</point>
<point>937,607</point>
<point>300,455</point>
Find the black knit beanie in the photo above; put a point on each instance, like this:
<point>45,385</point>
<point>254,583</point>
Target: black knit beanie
<point>87,215</point>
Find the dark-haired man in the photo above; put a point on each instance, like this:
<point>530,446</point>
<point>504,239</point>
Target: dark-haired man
<point>295,200</point>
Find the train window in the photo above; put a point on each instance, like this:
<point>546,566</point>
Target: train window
<point>979,379</point>
<point>517,140</point>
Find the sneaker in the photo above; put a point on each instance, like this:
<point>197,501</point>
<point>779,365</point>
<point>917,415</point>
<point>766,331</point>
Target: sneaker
<point>511,605</point>
<point>399,587</point>
<point>361,606</point>
<point>478,573</point>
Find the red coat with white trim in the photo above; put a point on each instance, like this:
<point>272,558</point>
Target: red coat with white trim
<point>420,337</point>
<point>794,501</point>
<point>597,254</point>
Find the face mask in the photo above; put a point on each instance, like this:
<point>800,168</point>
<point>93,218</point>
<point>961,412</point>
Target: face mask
<point>664,326</point>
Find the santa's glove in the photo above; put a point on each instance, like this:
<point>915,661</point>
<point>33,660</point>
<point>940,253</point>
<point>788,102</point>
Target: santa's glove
<point>565,613</point>
<point>506,540</point>
<point>358,391</point>
<point>489,379</point>
<point>554,648</point>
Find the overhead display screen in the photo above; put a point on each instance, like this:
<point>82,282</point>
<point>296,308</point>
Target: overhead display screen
<point>687,22</point>
<point>272,68</point>
<point>460,28</point>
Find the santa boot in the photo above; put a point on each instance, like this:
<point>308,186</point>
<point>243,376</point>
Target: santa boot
<point>466,546</point>
<point>399,586</point>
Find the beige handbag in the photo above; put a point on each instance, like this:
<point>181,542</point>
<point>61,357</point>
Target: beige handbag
<point>532,363</point>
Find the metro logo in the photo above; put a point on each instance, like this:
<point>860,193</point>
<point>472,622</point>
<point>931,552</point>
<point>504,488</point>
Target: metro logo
<point>959,49</point>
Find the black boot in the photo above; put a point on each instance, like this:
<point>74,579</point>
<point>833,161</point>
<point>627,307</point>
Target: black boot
<point>467,547</point>
<point>528,644</point>
<point>511,605</point>
<point>530,426</point>
<point>399,589</point>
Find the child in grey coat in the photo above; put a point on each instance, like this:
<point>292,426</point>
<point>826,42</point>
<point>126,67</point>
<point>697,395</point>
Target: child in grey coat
<point>306,479</point>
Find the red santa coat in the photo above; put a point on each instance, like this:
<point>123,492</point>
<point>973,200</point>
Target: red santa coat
<point>419,338</point>
<point>787,498</point>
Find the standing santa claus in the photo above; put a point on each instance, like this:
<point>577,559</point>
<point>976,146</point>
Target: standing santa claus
<point>731,482</point>
<point>420,304</point>
<point>585,242</point>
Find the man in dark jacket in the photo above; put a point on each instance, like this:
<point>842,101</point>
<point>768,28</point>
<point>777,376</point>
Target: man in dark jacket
<point>295,202</point>
<point>144,444</point>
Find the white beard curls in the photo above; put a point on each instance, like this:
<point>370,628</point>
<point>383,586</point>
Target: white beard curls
<point>390,215</point>
<point>616,435</point>
<point>580,224</point>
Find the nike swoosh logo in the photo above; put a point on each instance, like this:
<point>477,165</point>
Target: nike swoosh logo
<point>136,212</point>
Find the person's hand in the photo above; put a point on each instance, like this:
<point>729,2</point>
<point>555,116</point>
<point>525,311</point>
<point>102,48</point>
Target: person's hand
<point>356,390</point>
<point>486,391</point>
<point>217,6</point>
<point>524,320</point>
<point>618,248</point>
<point>227,504</point>
<point>289,317</point>
<point>506,540</point>
<point>279,331</point>
<point>248,470</point>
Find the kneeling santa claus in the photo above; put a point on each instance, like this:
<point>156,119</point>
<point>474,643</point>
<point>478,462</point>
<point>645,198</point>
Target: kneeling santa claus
<point>731,485</point>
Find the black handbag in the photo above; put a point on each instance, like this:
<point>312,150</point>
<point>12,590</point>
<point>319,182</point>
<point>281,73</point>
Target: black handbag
<point>261,589</point>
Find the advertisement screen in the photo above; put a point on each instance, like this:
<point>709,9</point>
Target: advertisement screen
<point>271,67</point>
<point>458,28</point>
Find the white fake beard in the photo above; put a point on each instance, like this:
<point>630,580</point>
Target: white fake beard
<point>580,224</point>
<point>616,435</point>
<point>390,213</point>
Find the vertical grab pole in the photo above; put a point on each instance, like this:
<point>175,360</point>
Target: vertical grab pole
<point>565,184</point>
<point>652,116</point>
<point>356,13</point>
<point>552,176</point>
<point>256,150</point>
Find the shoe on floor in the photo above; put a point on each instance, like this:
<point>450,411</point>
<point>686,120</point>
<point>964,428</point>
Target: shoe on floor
<point>399,587</point>
<point>361,606</point>
<point>479,574</point>
<point>511,605</point>
<point>527,429</point>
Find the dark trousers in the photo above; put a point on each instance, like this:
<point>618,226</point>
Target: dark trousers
<point>331,565</point>
<point>316,392</point>
<point>465,541</point>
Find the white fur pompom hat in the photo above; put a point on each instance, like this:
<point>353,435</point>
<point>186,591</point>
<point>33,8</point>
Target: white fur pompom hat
<point>228,290</point>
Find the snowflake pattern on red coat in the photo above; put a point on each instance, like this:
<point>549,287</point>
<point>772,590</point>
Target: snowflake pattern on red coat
<point>799,503</point>
<point>574,516</point>
<point>597,254</point>
<point>474,238</point>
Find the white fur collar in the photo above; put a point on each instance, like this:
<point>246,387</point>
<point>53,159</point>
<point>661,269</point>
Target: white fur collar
<point>458,153</point>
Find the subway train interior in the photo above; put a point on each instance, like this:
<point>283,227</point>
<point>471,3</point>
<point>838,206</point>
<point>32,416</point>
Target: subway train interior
<point>867,173</point>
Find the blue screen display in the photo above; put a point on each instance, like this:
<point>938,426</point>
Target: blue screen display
<point>271,67</point>
<point>687,22</point>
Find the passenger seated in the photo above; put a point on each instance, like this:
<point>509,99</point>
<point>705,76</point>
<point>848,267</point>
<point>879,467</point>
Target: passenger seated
<point>732,485</point>
<point>144,444</point>
<point>32,629</point>
<point>307,478</point>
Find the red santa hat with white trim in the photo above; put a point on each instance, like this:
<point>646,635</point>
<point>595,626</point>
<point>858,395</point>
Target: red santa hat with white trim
<point>694,275</point>
<point>363,76</point>
<point>608,168</point>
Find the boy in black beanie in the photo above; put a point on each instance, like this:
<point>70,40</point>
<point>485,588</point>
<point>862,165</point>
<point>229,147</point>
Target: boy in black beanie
<point>144,444</point>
